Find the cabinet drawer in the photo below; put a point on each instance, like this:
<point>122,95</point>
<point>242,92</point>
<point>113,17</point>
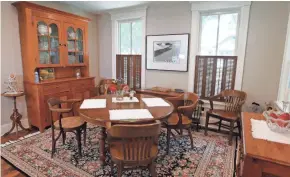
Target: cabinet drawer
<point>55,88</point>
<point>82,84</point>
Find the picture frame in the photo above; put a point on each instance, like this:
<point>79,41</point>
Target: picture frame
<point>167,52</point>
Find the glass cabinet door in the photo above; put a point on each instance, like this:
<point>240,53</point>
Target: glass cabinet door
<point>48,42</point>
<point>75,46</point>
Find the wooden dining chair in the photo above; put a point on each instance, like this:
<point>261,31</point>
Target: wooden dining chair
<point>66,124</point>
<point>233,100</point>
<point>134,146</point>
<point>102,89</point>
<point>181,118</point>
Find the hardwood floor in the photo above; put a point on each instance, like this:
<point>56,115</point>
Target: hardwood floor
<point>7,170</point>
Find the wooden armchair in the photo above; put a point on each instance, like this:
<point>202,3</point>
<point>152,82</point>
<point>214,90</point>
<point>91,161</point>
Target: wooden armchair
<point>134,146</point>
<point>234,101</point>
<point>102,88</point>
<point>66,124</point>
<point>181,118</point>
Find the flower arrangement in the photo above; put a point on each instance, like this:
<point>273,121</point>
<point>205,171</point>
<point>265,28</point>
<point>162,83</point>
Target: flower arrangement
<point>119,88</point>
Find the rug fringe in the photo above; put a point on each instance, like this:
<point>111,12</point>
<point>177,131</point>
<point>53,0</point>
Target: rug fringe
<point>19,139</point>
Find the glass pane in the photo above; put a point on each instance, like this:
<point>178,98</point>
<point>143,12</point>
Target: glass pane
<point>79,34</point>
<point>227,34</point>
<point>80,57</point>
<point>53,30</point>
<point>208,40</point>
<point>71,45</point>
<point>71,33</point>
<point>43,42</point>
<point>44,58</point>
<point>71,58</point>
<point>42,28</point>
<point>54,57</point>
<point>136,37</point>
<point>125,38</point>
<point>80,45</point>
<point>54,43</point>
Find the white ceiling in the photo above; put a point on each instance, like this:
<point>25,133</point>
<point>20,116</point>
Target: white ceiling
<point>99,6</point>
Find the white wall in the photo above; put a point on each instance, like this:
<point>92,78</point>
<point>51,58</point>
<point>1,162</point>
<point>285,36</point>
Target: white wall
<point>11,53</point>
<point>264,53</point>
<point>168,18</point>
<point>265,49</point>
<point>105,41</point>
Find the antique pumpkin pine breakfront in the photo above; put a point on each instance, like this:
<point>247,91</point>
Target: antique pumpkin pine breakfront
<point>55,40</point>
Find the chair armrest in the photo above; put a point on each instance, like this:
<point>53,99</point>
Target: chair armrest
<point>212,98</point>
<point>61,110</point>
<point>71,100</point>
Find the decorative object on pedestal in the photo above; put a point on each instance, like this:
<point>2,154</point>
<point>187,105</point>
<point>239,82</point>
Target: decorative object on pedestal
<point>12,84</point>
<point>167,52</point>
<point>16,116</point>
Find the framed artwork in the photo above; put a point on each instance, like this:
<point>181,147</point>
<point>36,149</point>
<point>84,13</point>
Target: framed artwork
<point>167,52</point>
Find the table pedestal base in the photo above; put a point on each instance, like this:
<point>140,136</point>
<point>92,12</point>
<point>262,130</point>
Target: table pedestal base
<point>15,117</point>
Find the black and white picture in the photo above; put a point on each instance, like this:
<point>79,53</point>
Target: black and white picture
<point>167,52</point>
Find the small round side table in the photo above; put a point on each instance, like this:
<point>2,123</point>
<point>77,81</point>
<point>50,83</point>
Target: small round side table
<point>16,116</point>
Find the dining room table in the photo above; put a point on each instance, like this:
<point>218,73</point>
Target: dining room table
<point>101,116</point>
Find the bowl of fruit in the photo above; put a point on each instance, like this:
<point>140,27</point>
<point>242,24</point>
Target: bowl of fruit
<point>278,121</point>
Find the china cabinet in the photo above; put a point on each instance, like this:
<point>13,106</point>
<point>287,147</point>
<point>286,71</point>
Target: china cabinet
<point>53,44</point>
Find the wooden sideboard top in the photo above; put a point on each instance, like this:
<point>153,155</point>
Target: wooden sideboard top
<point>60,80</point>
<point>164,94</point>
<point>262,149</point>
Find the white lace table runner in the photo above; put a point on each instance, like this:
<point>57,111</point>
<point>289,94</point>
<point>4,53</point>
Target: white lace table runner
<point>152,102</point>
<point>125,100</point>
<point>126,114</point>
<point>93,103</point>
<point>260,130</point>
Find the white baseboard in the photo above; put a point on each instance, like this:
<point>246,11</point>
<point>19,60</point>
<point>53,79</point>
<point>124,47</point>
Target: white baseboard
<point>6,127</point>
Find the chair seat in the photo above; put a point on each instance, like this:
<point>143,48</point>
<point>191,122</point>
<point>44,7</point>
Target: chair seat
<point>69,122</point>
<point>224,114</point>
<point>173,120</point>
<point>116,150</point>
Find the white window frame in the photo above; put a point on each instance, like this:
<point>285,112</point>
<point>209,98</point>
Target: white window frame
<point>284,79</point>
<point>198,8</point>
<point>121,15</point>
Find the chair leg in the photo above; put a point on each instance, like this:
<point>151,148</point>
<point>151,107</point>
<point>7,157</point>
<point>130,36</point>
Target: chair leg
<point>63,137</point>
<point>79,132</point>
<point>197,127</point>
<point>112,168</point>
<point>120,169</point>
<point>239,128</point>
<point>152,169</point>
<point>168,140</point>
<point>220,124</point>
<point>52,142</point>
<point>231,132</point>
<point>206,124</point>
<point>190,136</point>
<point>85,133</point>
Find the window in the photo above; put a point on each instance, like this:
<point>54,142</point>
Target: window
<point>128,61</point>
<point>215,66</point>
<point>130,37</point>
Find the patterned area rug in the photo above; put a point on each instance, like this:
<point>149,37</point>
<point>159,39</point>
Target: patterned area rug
<point>211,156</point>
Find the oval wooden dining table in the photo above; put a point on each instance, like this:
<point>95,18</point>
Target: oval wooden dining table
<point>101,116</point>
